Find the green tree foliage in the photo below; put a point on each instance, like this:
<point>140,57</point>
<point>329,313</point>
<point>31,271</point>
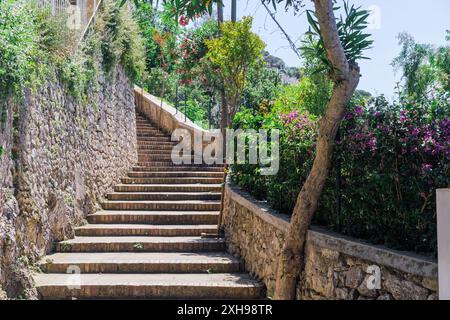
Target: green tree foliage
<point>233,54</point>
<point>425,69</point>
<point>19,47</point>
<point>160,32</point>
<point>261,88</point>
<point>351,28</point>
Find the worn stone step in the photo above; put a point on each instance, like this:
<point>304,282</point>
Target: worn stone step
<point>111,230</point>
<point>160,156</point>
<point>153,140</point>
<point>155,157</point>
<point>162,196</point>
<point>155,145</point>
<point>154,217</point>
<point>185,205</point>
<point>163,174</point>
<point>150,134</point>
<point>169,163</point>
<point>141,262</point>
<point>146,127</point>
<point>150,285</point>
<point>144,152</point>
<point>176,168</point>
<point>168,188</point>
<point>156,148</point>
<point>173,180</point>
<point>140,244</point>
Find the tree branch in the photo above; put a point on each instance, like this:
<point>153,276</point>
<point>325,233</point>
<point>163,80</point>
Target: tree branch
<point>291,43</point>
<point>329,32</point>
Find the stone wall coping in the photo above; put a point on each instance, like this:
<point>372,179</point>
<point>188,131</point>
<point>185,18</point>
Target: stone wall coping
<point>259,208</point>
<point>177,116</point>
<point>401,260</point>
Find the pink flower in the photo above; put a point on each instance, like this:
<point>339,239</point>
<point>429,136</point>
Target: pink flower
<point>183,21</point>
<point>423,195</point>
<point>359,110</point>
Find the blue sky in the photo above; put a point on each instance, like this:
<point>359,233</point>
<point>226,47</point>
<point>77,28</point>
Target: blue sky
<point>426,21</point>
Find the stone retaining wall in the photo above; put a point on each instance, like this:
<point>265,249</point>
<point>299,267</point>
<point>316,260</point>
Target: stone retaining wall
<point>337,267</point>
<point>61,161</point>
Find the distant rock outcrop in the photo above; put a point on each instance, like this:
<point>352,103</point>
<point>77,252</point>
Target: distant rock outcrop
<point>289,75</point>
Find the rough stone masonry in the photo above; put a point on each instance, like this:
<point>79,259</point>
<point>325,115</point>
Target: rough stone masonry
<point>60,158</point>
<point>336,267</point>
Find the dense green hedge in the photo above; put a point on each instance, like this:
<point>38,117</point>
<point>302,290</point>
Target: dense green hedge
<point>392,156</point>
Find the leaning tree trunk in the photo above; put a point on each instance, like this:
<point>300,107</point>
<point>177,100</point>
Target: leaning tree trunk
<point>345,76</point>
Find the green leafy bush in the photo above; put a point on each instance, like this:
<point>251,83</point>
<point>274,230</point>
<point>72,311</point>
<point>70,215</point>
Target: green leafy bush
<point>392,156</point>
<point>121,41</point>
<point>34,46</point>
<point>18,47</point>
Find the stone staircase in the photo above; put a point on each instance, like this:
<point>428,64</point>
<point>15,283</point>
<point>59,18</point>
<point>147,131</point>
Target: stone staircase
<point>146,242</point>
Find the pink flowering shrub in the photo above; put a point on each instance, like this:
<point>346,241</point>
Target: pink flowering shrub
<point>392,158</point>
<point>192,65</point>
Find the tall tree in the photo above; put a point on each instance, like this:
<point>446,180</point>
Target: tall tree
<point>233,53</point>
<point>339,55</point>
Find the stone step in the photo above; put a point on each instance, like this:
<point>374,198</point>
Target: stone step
<point>166,154</point>
<point>154,217</point>
<point>144,156</point>
<point>177,174</point>
<point>151,134</point>
<point>156,148</point>
<point>163,196</point>
<point>177,168</point>
<point>154,157</point>
<point>145,128</point>
<point>156,145</point>
<point>141,262</point>
<point>153,139</point>
<point>169,163</point>
<point>111,230</point>
<point>174,180</point>
<point>140,244</point>
<point>185,205</point>
<point>159,285</point>
<point>167,151</point>
<point>168,188</point>
<point>145,120</point>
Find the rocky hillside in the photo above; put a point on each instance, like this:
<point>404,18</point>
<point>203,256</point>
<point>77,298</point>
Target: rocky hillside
<point>288,74</point>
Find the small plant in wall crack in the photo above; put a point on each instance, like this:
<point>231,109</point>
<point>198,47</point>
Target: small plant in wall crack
<point>65,246</point>
<point>138,246</point>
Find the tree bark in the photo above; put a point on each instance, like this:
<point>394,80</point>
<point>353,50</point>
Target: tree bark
<point>233,10</point>
<point>223,100</point>
<point>219,13</point>
<point>345,76</point>
<point>224,121</point>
